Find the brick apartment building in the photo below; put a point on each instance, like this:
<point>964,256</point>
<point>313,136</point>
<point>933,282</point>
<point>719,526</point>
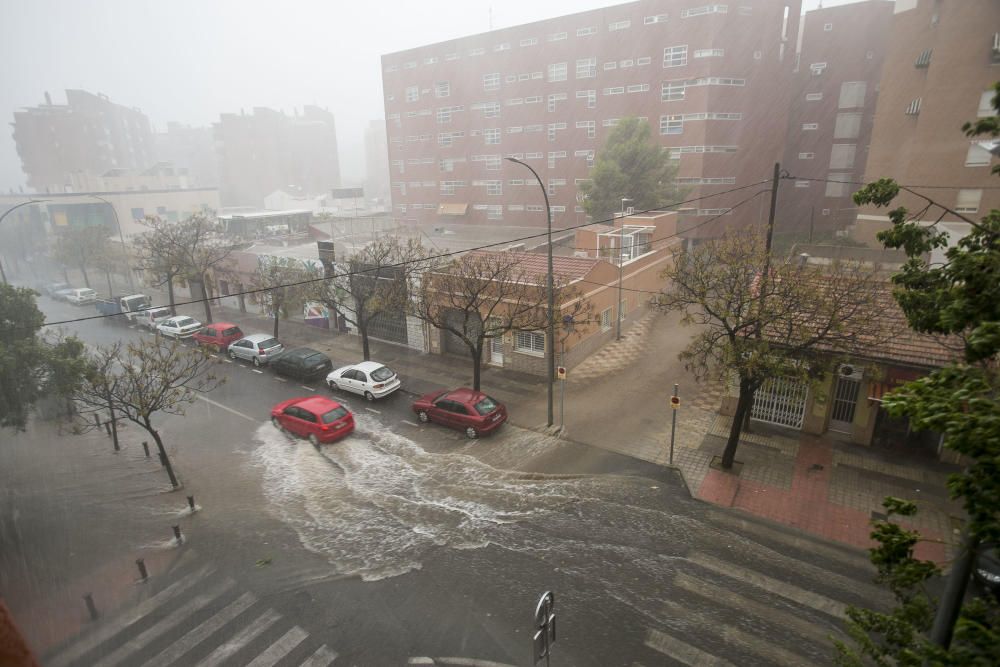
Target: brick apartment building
<point>711,79</point>
<point>942,60</point>
<point>89,133</point>
<point>835,89</point>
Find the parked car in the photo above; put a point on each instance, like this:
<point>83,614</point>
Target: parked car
<point>986,569</point>
<point>151,317</point>
<point>218,335</point>
<point>464,409</point>
<point>63,294</point>
<point>314,417</point>
<point>303,363</point>
<point>180,326</point>
<point>257,348</point>
<point>123,308</point>
<point>79,296</point>
<point>369,378</point>
<point>51,289</point>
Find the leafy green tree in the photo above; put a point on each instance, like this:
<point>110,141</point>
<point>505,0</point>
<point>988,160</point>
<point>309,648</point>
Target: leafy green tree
<point>158,255</point>
<point>962,401</point>
<point>631,165</point>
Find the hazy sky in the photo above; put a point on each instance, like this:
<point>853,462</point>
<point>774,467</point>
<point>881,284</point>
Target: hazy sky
<point>189,60</point>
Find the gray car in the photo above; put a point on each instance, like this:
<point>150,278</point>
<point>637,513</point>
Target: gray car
<point>257,348</point>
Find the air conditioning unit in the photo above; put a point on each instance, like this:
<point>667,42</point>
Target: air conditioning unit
<point>851,372</point>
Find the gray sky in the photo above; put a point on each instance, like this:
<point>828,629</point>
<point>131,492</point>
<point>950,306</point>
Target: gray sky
<point>189,60</point>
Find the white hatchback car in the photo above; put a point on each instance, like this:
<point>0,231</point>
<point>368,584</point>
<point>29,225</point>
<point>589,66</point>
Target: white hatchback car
<point>180,326</point>
<point>368,378</point>
<point>81,295</point>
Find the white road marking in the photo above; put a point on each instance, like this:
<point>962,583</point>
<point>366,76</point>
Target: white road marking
<point>407,421</point>
<point>244,637</point>
<point>257,371</point>
<point>307,388</point>
<point>280,648</point>
<point>113,627</point>
<point>227,408</point>
<point>163,626</point>
<point>469,662</point>
<point>321,658</point>
<point>228,361</point>
<point>678,650</point>
<point>280,379</point>
<point>373,410</point>
<point>787,591</point>
<point>196,636</point>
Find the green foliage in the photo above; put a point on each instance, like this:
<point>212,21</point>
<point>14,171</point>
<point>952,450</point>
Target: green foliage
<point>631,165</point>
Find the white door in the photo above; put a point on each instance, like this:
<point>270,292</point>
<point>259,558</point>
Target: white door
<point>845,401</point>
<point>496,351</point>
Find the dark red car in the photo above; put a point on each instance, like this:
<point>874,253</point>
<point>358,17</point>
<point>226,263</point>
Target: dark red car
<point>218,335</point>
<point>314,417</point>
<point>464,409</point>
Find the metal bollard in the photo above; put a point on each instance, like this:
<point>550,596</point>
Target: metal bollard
<point>142,568</point>
<point>145,448</point>
<point>177,534</point>
<point>89,599</point>
<point>191,502</point>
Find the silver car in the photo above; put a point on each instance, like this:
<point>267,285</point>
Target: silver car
<point>258,348</point>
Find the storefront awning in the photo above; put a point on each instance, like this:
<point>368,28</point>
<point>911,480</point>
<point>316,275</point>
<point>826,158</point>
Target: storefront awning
<point>452,209</point>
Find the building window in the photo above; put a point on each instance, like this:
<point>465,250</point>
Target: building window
<point>810,126</point>
<point>589,95</point>
<point>802,184</point>
<point>852,94</point>
<point>505,46</point>
<point>814,97</point>
<point>672,91</point>
<point>615,90</point>
<point>556,97</point>
<point>638,88</point>
<point>491,81</point>
<point>709,53</point>
<point>817,68</point>
<point>842,156</point>
<point>494,188</point>
<point>671,124</point>
<point>986,105</point>
<point>451,56</point>
<point>924,59</point>
<point>913,108</point>
<point>977,156</point>
<point>606,316</point>
<point>477,52</point>
<point>586,68</point>
<point>658,18</point>
<point>492,136</point>
<point>827,27</point>
<point>848,126</point>
<point>701,11</point>
<point>675,56</point>
<point>619,25</point>
<point>557,72</point>
<point>968,201</point>
<point>442,89</point>
<point>645,60</point>
<point>556,37</point>
<point>837,185</point>
<point>806,156</point>
<point>412,93</point>
<point>589,125</point>
<point>494,212</point>
<point>583,32</point>
<point>530,342</point>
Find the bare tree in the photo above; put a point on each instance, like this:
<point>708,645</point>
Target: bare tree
<point>760,319</point>
<point>483,295</point>
<point>286,284</point>
<point>373,283</point>
<point>139,381</point>
<point>157,252</point>
<point>198,247</point>
<point>80,247</point>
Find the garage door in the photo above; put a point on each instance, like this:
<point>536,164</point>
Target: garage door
<point>389,326</point>
<point>781,401</point>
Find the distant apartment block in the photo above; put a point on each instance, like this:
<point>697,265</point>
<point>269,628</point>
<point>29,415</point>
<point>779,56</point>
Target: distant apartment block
<point>376,163</point>
<point>710,78</point>
<point>191,149</point>
<point>89,133</point>
<point>267,150</point>
<point>941,62</point>
<point>834,91</point>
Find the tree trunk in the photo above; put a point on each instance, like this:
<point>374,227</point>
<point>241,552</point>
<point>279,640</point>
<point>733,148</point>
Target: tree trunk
<point>275,334</point>
<point>86,278</point>
<point>107,274</point>
<point>114,424</point>
<point>743,405</point>
<point>163,453</point>
<point>65,273</point>
<point>170,295</point>
<point>477,364</point>
<point>205,300</point>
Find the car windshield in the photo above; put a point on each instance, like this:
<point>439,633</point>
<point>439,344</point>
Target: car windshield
<point>231,331</point>
<point>159,312</point>
<point>334,415</point>
<point>382,374</point>
<point>183,322</point>
<point>314,360</point>
<point>486,406</point>
<point>267,344</point>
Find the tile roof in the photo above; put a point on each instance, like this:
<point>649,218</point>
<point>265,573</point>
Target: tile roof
<point>536,264</point>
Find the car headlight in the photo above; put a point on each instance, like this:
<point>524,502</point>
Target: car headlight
<point>991,577</point>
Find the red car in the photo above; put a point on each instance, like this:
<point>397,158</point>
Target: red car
<point>314,417</point>
<point>464,409</point>
<point>218,335</point>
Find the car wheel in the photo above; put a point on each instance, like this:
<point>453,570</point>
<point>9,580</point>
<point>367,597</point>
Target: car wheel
<point>232,355</point>
<point>217,348</point>
<point>333,385</point>
<point>471,433</point>
<point>256,361</point>
<point>423,416</point>
<point>277,424</point>
<point>314,440</point>
<point>370,396</point>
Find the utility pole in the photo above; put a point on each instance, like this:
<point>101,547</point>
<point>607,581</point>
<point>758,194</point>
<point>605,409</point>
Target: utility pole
<point>621,269</point>
<point>812,213</point>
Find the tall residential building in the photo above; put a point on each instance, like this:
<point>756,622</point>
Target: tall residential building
<point>376,163</point>
<point>191,149</point>
<point>835,89</point>
<point>712,80</point>
<point>942,60</point>
<point>89,133</point>
<point>268,150</point>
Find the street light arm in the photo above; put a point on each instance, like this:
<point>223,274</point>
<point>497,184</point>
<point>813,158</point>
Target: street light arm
<point>121,238</point>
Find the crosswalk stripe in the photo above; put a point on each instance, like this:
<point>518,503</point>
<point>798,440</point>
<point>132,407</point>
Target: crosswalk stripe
<point>116,625</point>
<point>785,590</point>
<point>280,648</point>
<point>747,606</point>
<point>179,615</point>
<point>244,637</point>
<point>678,650</point>
<point>321,658</point>
<point>765,648</point>
<point>203,631</point>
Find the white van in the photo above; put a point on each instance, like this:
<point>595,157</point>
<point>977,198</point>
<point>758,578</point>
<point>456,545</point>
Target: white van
<point>81,295</point>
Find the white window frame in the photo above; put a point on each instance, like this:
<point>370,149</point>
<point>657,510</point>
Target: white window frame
<point>530,342</point>
<point>977,156</point>
<point>968,200</point>
<point>491,81</point>
<point>492,136</point>
<point>675,56</point>
<point>557,72</point>
<point>586,68</point>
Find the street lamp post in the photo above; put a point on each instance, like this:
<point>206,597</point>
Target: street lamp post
<point>621,268</point>
<point>3,275</point>
<point>121,237</point>
<point>550,335</point>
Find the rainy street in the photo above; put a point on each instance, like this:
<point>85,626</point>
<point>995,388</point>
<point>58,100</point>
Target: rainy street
<point>404,542</point>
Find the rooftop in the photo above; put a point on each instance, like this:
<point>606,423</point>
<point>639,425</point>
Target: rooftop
<point>536,264</point>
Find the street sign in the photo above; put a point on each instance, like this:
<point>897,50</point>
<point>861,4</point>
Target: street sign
<point>545,628</point>
<point>561,372</point>
<point>675,402</point>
